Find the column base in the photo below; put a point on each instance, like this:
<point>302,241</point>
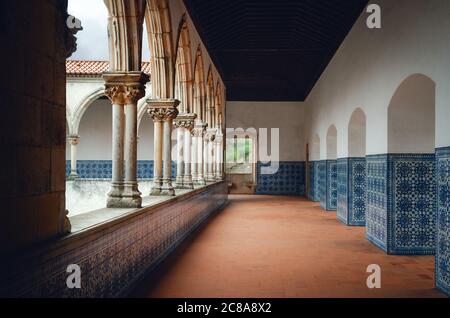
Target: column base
<point>156,188</point>
<point>72,177</point>
<point>167,189</point>
<point>210,178</point>
<point>200,181</point>
<point>122,196</point>
<point>188,183</point>
<point>179,183</point>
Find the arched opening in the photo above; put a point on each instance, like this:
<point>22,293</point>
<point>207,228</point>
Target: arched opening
<point>241,160</point>
<point>328,178</point>
<point>210,99</point>
<point>411,117</point>
<point>351,205</point>
<point>199,86</point>
<point>183,71</point>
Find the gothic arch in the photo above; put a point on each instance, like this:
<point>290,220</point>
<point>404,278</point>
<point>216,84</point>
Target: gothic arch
<point>84,105</point>
<point>332,143</point>
<point>125,25</point>
<point>199,85</point>
<point>411,116</point>
<point>183,69</point>
<point>217,111</point>
<point>210,98</point>
<point>357,134</point>
<point>158,21</point>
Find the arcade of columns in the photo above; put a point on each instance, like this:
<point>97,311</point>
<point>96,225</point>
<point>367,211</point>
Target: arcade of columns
<point>200,142</point>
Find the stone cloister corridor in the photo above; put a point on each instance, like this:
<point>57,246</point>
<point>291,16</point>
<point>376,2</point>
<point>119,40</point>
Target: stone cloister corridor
<point>221,149</point>
<point>267,246</point>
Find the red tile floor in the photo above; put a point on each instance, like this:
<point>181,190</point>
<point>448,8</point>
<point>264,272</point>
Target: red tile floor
<point>275,246</point>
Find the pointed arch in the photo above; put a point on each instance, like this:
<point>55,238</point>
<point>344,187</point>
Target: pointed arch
<point>217,111</point>
<point>125,27</point>
<point>199,85</point>
<point>183,69</point>
<point>158,22</point>
<point>209,97</point>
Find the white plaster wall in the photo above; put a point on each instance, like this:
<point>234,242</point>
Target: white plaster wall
<point>372,63</point>
<point>287,116</point>
<point>332,143</point>
<point>96,134</point>
<point>357,134</point>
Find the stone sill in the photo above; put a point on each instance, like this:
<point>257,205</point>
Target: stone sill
<point>86,226</point>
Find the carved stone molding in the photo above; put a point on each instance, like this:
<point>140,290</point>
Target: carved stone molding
<point>210,134</point>
<point>162,109</point>
<point>185,121</point>
<point>125,88</point>
<point>73,140</point>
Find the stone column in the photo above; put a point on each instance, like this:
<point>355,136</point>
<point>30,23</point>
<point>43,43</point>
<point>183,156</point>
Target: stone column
<point>164,111</point>
<point>219,156</point>
<point>180,156</point>
<point>184,124</point>
<point>210,137</point>
<point>73,141</point>
<point>124,90</point>
<point>198,153</point>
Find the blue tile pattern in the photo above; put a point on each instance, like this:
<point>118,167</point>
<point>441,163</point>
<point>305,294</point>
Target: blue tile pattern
<point>102,169</point>
<point>322,180</point>
<point>377,198</point>
<point>288,180</point>
<point>401,203</point>
<point>342,195</point>
<point>351,208</point>
<point>443,219</point>
<point>331,185</point>
<point>316,182</point>
<point>311,173</point>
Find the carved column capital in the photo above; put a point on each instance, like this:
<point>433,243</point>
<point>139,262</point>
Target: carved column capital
<point>125,88</point>
<point>210,134</point>
<point>73,140</point>
<point>162,109</point>
<point>185,121</point>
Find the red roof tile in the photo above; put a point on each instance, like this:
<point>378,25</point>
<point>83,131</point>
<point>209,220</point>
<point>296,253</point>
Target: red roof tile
<point>93,68</point>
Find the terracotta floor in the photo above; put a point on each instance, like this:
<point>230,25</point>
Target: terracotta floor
<point>272,246</point>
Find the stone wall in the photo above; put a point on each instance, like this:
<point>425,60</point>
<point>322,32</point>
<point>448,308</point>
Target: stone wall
<point>32,125</point>
<point>112,256</point>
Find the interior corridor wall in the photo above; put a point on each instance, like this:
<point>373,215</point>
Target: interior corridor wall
<point>288,118</point>
<point>366,72</point>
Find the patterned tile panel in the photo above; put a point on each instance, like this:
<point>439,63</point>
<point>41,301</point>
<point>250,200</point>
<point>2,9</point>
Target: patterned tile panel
<point>357,192</point>
<point>377,200</point>
<point>412,204</point>
<point>443,219</point>
<point>322,180</point>
<point>311,181</point>
<point>288,180</point>
<point>331,185</point>
<point>102,169</point>
<point>343,187</point>
<point>111,258</point>
<point>316,182</point>
<point>401,203</point>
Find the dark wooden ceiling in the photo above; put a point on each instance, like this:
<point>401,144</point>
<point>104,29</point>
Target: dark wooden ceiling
<point>273,50</point>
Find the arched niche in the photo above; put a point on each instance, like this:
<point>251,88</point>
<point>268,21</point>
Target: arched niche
<point>357,134</point>
<point>411,116</point>
<point>315,148</point>
<point>95,131</point>
<point>332,143</point>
